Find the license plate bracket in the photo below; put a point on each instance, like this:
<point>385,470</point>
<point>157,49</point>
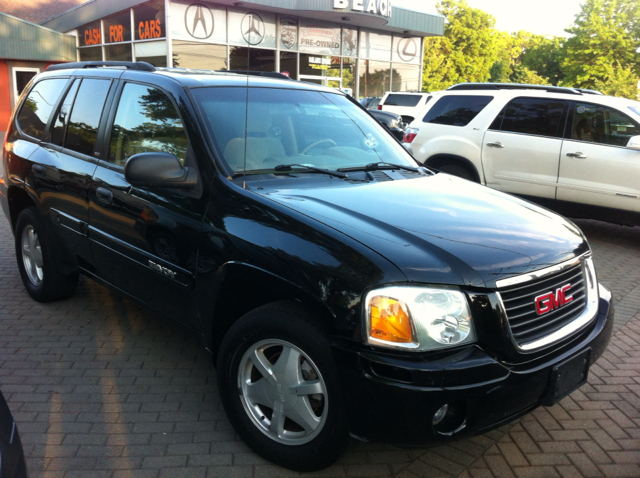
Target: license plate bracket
<point>567,376</point>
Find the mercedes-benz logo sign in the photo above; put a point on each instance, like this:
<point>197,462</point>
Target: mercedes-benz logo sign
<point>198,20</point>
<point>407,49</point>
<point>252,27</point>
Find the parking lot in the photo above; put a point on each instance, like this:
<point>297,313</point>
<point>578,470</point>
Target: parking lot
<point>102,388</point>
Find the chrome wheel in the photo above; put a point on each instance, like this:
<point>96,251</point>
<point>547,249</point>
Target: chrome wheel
<point>283,392</point>
<point>32,255</point>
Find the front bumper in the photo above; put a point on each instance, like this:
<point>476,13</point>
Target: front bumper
<point>393,399</point>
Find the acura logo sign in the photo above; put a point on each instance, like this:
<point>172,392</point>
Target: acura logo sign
<point>198,20</point>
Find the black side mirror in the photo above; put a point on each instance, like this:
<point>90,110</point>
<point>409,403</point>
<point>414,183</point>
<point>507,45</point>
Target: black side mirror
<point>162,170</point>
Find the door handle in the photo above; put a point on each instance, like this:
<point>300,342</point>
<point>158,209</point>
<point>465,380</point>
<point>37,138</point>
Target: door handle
<point>497,144</point>
<point>39,170</point>
<point>104,196</point>
<point>577,155</point>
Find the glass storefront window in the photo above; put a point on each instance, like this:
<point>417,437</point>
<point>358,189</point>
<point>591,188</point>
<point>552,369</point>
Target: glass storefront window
<point>348,75</point>
<point>117,28</point>
<point>199,56</point>
<point>154,52</point>
<point>375,78</point>
<point>253,59</point>
<point>405,77</point>
<point>93,53</point>
<point>149,20</point>
<point>252,28</point>
<point>90,34</point>
<point>316,65</point>
<point>118,52</point>
<point>349,41</point>
<point>289,63</point>
<point>375,46</point>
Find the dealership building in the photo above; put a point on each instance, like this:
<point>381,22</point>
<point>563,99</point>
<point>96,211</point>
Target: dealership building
<point>364,47</point>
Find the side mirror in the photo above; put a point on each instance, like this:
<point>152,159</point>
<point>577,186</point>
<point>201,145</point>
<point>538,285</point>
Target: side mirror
<point>634,143</point>
<point>162,170</point>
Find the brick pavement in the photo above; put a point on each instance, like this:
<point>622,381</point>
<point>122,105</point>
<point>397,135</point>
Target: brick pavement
<point>102,388</point>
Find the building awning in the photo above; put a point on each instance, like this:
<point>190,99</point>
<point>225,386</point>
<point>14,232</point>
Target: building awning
<point>372,14</point>
<point>22,40</point>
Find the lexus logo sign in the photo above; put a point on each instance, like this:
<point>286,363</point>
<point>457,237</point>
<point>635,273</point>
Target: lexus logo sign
<point>407,49</point>
<point>198,20</point>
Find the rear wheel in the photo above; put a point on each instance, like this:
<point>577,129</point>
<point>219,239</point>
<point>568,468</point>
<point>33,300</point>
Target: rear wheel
<point>280,389</point>
<point>457,170</point>
<point>40,273</point>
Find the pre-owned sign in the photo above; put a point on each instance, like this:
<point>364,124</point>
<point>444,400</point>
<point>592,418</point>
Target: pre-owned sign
<point>378,7</point>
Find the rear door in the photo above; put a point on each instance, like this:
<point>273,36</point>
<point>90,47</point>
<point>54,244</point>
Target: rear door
<point>521,148</point>
<point>595,166</point>
<point>145,240</point>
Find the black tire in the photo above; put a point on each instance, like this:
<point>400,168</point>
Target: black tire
<point>284,330</point>
<point>457,170</point>
<point>39,270</point>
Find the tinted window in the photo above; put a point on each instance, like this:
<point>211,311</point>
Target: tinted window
<point>57,135</point>
<point>85,116</point>
<point>36,109</point>
<point>537,116</point>
<point>598,124</point>
<point>146,120</point>
<point>402,100</point>
<point>456,110</point>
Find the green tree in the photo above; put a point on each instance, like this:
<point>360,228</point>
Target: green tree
<point>465,53</point>
<point>602,53</point>
<point>544,56</point>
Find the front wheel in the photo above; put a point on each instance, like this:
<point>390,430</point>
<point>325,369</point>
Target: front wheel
<point>40,273</point>
<point>279,387</point>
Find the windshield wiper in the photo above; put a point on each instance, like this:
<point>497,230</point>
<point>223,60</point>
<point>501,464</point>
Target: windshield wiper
<point>288,167</point>
<point>379,164</point>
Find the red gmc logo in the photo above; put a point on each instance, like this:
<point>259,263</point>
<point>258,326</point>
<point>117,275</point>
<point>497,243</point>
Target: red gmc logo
<point>549,301</point>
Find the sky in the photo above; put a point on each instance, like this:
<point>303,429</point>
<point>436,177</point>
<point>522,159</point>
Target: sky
<point>542,17</point>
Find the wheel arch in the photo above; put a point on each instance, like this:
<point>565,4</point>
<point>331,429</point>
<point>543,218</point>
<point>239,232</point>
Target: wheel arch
<point>18,200</point>
<point>438,160</point>
<point>244,288</point>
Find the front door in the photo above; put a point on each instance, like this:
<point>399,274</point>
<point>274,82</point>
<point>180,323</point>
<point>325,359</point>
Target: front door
<point>145,240</point>
<point>595,166</point>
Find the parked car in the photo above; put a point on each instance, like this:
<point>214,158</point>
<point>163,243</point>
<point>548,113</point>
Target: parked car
<point>12,460</point>
<point>574,151</point>
<point>343,289</point>
<point>370,102</point>
<point>406,104</point>
<point>391,121</point>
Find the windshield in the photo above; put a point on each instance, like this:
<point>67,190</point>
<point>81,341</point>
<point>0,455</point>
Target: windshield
<point>287,127</point>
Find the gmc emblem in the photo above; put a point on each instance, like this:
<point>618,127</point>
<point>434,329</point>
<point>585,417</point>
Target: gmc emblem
<point>549,301</point>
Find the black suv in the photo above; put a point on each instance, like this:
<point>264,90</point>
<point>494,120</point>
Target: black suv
<point>343,289</point>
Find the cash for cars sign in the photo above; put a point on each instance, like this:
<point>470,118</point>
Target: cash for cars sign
<point>377,7</point>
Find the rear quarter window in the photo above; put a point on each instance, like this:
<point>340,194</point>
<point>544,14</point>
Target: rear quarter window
<point>456,110</point>
<point>402,100</point>
<point>37,107</point>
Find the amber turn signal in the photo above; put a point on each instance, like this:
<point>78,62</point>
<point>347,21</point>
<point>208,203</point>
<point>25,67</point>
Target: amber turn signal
<point>390,320</point>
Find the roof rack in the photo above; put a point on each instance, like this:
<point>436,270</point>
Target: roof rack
<point>517,86</point>
<point>268,74</point>
<point>589,92</point>
<point>129,65</point>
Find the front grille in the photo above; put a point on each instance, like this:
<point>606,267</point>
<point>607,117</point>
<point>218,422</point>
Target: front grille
<point>526,324</point>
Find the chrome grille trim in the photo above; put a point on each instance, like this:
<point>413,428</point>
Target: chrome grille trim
<point>588,314</point>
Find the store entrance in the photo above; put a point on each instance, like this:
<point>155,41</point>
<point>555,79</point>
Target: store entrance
<point>330,81</point>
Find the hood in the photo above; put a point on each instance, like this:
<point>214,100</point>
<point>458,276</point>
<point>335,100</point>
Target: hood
<point>440,229</point>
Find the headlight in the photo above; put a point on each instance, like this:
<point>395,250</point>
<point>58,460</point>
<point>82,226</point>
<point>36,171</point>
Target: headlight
<point>417,318</point>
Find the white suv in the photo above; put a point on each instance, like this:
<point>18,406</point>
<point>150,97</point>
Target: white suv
<point>574,151</point>
<point>404,103</point>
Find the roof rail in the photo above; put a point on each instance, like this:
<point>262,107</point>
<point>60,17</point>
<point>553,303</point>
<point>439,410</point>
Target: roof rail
<point>269,74</point>
<point>129,65</point>
<point>517,86</point>
<point>589,92</point>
